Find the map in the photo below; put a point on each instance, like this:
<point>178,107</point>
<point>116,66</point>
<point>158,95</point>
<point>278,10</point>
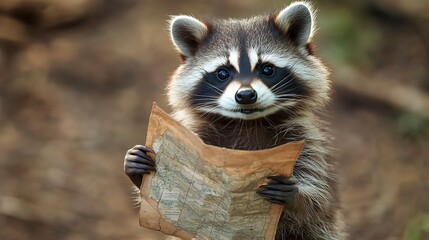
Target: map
<point>201,191</point>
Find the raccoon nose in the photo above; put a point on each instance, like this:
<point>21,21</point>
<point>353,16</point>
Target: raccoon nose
<point>246,96</point>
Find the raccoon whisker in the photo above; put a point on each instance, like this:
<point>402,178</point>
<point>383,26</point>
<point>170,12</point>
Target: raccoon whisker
<point>275,138</point>
<point>243,141</point>
<point>276,104</point>
<point>206,96</point>
<point>285,109</point>
<point>289,92</point>
<point>287,95</point>
<point>276,86</point>
<point>290,113</point>
<point>272,125</point>
<point>206,105</point>
<point>239,142</point>
<point>298,85</point>
<point>210,104</point>
<point>259,109</point>
<point>211,114</point>
<point>215,118</point>
<point>206,108</point>
<point>284,85</point>
<point>262,127</point>
<point>227,124</point>
<point>280,83</point>
<point>213,99</point>
<point>206,100</point>
<point>220,91</point>
<point>286,101</point>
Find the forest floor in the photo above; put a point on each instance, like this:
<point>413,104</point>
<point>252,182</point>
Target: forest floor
<point>73,100</point>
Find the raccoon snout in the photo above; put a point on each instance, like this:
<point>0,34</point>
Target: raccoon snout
<point>246,96</point>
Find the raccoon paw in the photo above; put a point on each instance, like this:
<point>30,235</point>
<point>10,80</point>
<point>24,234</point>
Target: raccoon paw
<point>137,162</point>
<point>280,190</point>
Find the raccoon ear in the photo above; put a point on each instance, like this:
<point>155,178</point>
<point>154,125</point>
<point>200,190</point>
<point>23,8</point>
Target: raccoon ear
<point>297,22</point>
<point>187,33</point>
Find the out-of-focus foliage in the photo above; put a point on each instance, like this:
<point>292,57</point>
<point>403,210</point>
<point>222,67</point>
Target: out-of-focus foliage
<point>352,39</point>
<point>417,228</point>
<point>412,125</point>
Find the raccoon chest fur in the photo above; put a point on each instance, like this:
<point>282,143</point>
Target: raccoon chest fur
<point>248,135</point>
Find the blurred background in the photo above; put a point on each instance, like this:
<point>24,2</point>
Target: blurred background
<point>77,80</point>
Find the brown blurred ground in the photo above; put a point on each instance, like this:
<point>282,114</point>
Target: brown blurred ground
<point>77,80</point>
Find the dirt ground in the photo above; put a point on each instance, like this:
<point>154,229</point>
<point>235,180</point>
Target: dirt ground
<point>76,91</point>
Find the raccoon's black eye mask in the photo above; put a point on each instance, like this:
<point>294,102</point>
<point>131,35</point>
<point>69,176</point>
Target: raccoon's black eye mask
<point>276,78</point>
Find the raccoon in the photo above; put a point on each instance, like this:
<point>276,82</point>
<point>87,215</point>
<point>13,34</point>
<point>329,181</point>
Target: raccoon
<point>254,84</point>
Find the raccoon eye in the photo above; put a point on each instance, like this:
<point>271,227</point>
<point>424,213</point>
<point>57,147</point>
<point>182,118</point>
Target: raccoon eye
<point>222,74</point>
<point>267,70</point>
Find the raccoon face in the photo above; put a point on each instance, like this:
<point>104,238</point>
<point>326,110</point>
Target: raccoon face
<point>249,68</point>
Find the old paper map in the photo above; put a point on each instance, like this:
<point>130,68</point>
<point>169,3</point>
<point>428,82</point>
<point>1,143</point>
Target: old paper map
<point>206,192</point>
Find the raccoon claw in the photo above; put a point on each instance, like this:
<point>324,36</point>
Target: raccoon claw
<point>280,190</point>
<point>137,162</point>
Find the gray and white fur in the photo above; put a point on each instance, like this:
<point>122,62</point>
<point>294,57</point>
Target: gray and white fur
<point>255,84</point>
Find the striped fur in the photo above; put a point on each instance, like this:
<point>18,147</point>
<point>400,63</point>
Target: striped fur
<point>286,109</point>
